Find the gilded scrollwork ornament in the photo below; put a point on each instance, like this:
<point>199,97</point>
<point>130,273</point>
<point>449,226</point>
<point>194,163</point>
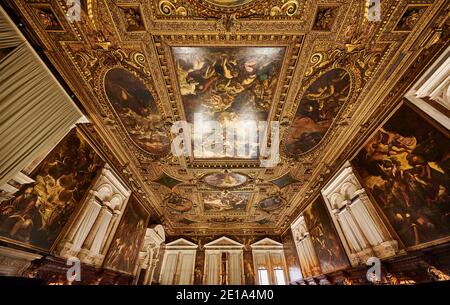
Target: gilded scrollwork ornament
<point>90,62</point>
<point>172,8</point>
<point>287,8</point>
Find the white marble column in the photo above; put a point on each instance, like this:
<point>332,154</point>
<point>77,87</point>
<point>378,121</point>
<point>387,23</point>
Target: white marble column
<point>359,226</point>
<point>73,244</point>
<point>309,262</point>
<point>90,235</point>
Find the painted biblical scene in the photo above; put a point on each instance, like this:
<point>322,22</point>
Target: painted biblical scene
<point>39,211</point>
<point>178,203</point>
<point>249,270</point>
<point>225,201</point>
<point>199,267</point>
<point>234,86</point>
<point>324,237</point>
<point>291,256</point>
<point>225,180</point>
<point>317,110</point>
<point>271,203</point>
<point>137,110</point>
<point>405,166</point>
<point>124,250</point>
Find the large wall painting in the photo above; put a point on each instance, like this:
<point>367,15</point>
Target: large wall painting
<point>249,273</point>
<point>199,267</point>
<point>40,210</point>
<point>137,110</point>
<point>230,85</point>
<point>124,250</point>
<point>291,256</point>
<point>225,201</point>
<point>325,240</point>
<point>405,166</point>
<point>316,111</point>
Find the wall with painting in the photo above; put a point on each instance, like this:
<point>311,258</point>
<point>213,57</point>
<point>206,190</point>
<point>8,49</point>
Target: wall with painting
<point>124,250</point>
<point>38,219</point>
<point>392,201</point>
<point>290,253</point>
<point>405,168</point>
<point>38,212</point>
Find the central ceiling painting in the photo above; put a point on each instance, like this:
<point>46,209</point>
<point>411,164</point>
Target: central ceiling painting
<point>225,201</point>
<point>233,86</point>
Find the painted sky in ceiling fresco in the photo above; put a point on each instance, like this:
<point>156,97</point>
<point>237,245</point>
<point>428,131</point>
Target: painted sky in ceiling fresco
<point>225,180</point>
<point>230,85</point>
<point>225,201</point>
<point>316,111</point>
<point>137,110</point>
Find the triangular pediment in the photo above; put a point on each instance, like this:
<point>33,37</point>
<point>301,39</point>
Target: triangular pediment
<point>267,243</point>
<point>181,243</point>
<point>224,242</point>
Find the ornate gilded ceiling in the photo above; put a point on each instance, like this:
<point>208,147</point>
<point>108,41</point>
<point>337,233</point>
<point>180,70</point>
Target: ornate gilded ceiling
<point>320,68</point>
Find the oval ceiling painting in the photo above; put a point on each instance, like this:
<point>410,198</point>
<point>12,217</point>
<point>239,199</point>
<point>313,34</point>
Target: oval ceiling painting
<point>225,180</point>
<point>178,203</point>
<point>271,203</point>
<point>316,111</point>
<point>137,110</point>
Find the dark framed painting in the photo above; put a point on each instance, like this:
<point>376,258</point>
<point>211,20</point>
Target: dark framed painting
<point>271,203</point>
<point>137,109</point>
<point>39,211</point>
<point>249,270</point>
<point>325,240</point>
<point>291,256</point>
<point>405,167</point>
<point>316,111</point>
<point>124,250</point>
<point>284,180</point>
